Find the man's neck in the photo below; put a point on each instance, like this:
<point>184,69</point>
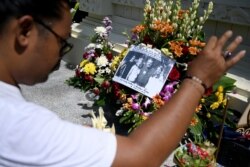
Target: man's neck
<point>5,75</point>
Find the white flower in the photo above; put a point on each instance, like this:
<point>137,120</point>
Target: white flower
<point>108,71</point>
<point>119,112</point>
<point>99,46</point>
<point>101,30</point>
<point>102,61</point>
<point>101,71</point>
<point>100,122</point>
<point>90,46</point>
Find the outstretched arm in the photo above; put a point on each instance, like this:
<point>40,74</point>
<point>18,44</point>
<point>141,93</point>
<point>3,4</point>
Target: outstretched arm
<point>154,140</point>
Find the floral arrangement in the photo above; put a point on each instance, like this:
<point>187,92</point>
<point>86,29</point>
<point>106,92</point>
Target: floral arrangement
<point>95,72</point>
<point>196,155</point>
<point>176,32</point>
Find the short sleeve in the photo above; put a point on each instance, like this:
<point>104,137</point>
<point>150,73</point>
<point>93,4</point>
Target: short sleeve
<point>40,138</point>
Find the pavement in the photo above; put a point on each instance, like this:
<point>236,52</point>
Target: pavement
<point>67,102</point>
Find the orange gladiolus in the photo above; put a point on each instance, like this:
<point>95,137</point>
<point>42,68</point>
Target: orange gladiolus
<point>181,13</point>
<point>176,47</point>
<point>198,43</point>
<point>198,108</point>
<point>158,101</point>
<point>137,29</point>
<point>163,27</point>
<point>194,121</point>
<point>193,50</point>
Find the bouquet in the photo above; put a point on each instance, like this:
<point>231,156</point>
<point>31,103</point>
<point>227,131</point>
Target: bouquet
<point>175,32</point>
<point>94,72</point>
<point>196,155</point>
<point>178,33</point>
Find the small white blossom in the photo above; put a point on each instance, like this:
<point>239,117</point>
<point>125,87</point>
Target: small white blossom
<point>90,46</point>
<point>102,61</point>
<point>119,112</point>
<point>108,71</point>
<point>101,71</point>
<point>101,30</point>
<point>99,46</point>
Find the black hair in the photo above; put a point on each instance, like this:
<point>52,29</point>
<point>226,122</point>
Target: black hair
<point>49,9</point>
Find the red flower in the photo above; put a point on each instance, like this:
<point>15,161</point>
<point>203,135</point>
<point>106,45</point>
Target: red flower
<point>96,55</point>
<point>208,91</point>
<point>85,55</point>
<point>147,40</point>
<point>185,50</point>
<point>109,56</point>
<point>106,84</point>
<point>96,91</point>
<point>174,74</point>
<point>77,73</point>
<point>88,78</point>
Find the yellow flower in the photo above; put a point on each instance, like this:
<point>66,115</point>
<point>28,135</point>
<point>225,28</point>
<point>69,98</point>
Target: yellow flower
<point>116,61</point>
<point>83,63</point>
<point>215,105</point>
<point>90,68</point>
<point>220,89</point>
<point>203,100</point>
<point>224,102</point>
<point>220,98</point>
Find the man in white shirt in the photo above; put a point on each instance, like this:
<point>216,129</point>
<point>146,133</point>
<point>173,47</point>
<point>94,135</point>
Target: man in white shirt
<point>33,38</point>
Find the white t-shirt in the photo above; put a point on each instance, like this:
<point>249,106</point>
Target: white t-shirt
<point>31,136</point>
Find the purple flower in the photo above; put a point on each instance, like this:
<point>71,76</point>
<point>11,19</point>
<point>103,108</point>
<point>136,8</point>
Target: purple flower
<point>106,21</point>
<point>134,37</point>
<point>167,96</point>
<point>109,28</point>
<point>170,87</point>
<point>136,106</point>
<point>168,91</point>
<point>135,97</point>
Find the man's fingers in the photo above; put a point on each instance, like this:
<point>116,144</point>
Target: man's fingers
<point>230,62</point>
<point>232,46</point>
<point>223,39</point>
<point>211,43</point>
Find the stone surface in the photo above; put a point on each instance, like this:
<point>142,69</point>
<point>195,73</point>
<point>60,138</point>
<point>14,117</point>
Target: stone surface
<point>60,98</point>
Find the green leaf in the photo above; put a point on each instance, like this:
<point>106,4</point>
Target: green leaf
<point>100,102</point>
<point>197,130</point>
<point>226,82</point>
<point>99,79</point>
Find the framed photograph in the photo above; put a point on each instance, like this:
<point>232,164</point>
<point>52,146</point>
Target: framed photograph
<point>144,69</point>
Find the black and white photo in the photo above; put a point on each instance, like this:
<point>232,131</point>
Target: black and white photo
<point>144,70</point>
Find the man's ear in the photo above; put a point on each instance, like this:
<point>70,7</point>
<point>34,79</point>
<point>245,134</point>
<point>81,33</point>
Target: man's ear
<point>25,27</point>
